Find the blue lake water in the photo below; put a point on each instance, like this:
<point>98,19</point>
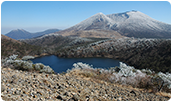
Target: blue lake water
<point>60,65</point>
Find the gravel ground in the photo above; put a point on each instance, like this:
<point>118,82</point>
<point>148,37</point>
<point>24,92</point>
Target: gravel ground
<point>20,85</point>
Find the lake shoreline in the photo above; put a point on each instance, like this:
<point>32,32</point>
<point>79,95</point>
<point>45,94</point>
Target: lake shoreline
<point>65,63</point>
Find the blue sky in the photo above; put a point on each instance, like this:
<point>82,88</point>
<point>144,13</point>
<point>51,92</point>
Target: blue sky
<point>35,16</point>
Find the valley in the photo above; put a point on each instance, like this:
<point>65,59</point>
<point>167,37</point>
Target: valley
<point>153,54</point>
<point>141,44</point>
<point>98,36</point>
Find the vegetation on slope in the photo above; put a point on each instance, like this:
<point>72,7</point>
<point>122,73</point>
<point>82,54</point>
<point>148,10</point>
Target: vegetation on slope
<point>126,75</point>
<point>56,43</point>
<point>154,54</point>
<point>158,58</point>
<point>23,64</point>
<point>10,46</point>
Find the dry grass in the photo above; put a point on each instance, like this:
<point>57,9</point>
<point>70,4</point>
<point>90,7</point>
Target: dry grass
<point>164,94</point>
<point>91,33</point>
<point>96,77</point>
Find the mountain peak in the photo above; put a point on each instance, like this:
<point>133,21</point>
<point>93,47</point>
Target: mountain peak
<point>131,24</point>
<point>100,13</point>
<point>97,21</point>
<point>138,15</point>
<point>18,30</point>
<point>133,11</point>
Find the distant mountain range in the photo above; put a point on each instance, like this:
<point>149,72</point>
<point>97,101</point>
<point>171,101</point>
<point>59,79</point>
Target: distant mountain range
<point>23,34</point>
<point>130,24</point>
<point>127,24</point>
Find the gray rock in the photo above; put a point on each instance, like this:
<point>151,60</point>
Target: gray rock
<point>1,80</point>
<point>17,92</point>
<point>66,94</point>
<point>76,97</point>
<point>16,81</point>
<point>89,100</point>
<point>14,76</point>
<point>133,92</point>
<point>118,100</point>
<point>2,88</point>
<point>59,97</point>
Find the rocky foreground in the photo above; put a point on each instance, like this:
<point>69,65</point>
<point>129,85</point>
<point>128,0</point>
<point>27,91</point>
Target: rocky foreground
<point>33,86</point>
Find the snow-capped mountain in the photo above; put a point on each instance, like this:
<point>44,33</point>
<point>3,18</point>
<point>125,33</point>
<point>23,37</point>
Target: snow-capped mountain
<point>97,21</point>
<point>138,24</point>
<point>98,25</point>
<point>131,24</point>
<point>23,34</point>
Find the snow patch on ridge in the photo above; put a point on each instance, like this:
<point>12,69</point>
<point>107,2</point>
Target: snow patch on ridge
<point>51,34</point>
<point>99,17</point>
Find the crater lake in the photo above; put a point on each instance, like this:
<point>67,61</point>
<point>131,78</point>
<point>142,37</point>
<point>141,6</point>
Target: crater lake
<point>60,65</point>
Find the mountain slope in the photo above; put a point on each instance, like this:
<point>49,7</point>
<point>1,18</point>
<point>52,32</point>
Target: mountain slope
<point>98,25</point>
<point>137,24</point>
<point>11,46</point>
<point>22,34</point>
<point>141,53</point>
<point>3,38</point>
<point>154,54</point>
<point>44,32</point>
<point>130,24</point>
<point>97,21</point>
<point>75,85</point>
<point>55,42</point>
